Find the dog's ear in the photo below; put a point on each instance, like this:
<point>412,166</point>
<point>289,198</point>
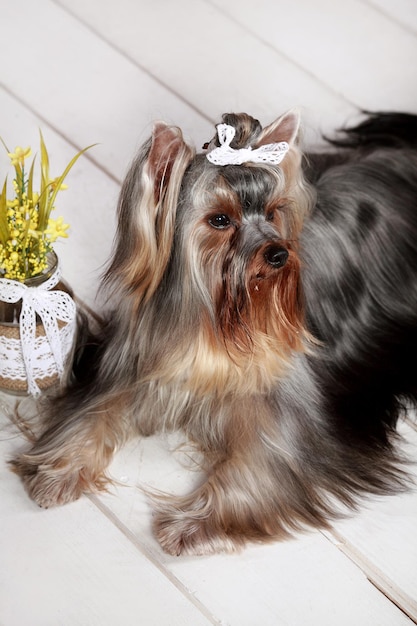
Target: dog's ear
<point>285,128</point>
<point>147,212</point>
<point>169,157</point>
<point>167,145</point>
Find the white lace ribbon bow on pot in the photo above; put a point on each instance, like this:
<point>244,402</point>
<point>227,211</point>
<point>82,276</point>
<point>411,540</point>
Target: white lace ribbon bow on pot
<point>31,357</point>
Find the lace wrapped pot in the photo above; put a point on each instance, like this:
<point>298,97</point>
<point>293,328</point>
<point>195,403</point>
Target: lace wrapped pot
<point>37,327</point>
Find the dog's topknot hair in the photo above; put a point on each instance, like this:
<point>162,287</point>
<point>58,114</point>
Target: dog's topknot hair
<point>247,128</point>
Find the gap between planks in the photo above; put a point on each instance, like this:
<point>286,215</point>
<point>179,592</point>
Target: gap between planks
<point>58,132</point>
<point>131,60</point>
<point>153,557</point>
<point>375,576</point>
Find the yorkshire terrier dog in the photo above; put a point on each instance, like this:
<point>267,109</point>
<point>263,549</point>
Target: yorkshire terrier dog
<point>266,305</point>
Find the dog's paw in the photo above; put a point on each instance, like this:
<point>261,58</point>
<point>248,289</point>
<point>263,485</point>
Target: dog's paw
<point>179,534</point>
<point>46,485</point>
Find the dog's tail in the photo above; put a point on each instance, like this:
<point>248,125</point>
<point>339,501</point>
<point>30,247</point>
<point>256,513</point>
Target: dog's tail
<point>391,130</point>
<point>378,130</point>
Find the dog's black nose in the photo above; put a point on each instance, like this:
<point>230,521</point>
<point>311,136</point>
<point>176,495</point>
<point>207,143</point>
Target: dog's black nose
<point>276,256</point>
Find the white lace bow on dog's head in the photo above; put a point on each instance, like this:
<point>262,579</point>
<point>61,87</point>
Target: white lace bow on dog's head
<point>272,153</point>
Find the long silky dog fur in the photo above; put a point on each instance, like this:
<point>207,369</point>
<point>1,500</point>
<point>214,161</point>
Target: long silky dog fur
<point>269,312</point>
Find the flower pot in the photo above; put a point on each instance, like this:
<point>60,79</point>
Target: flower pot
<point>36,331</point>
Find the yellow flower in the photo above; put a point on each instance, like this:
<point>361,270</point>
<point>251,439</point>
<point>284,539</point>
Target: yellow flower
<point>27,232</point>
<point>19,155</point>
<point>53,183</point>
<point>32,232</point>
<point>56,228</point>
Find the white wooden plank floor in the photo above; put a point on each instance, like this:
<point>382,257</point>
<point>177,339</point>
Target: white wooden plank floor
<point>89,71</point>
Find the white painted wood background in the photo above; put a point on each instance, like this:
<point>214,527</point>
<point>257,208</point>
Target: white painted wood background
<point>89,71</point>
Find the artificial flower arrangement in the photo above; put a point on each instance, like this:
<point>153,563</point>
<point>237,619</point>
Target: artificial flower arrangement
<point>27,230</point>
<point>37,311</point>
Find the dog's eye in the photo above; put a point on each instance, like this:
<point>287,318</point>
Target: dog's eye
<point>220,221</point>
<point>270,216</point>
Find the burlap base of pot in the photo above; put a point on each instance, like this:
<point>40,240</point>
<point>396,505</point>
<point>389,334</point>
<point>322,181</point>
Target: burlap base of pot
<point>20,387</point>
